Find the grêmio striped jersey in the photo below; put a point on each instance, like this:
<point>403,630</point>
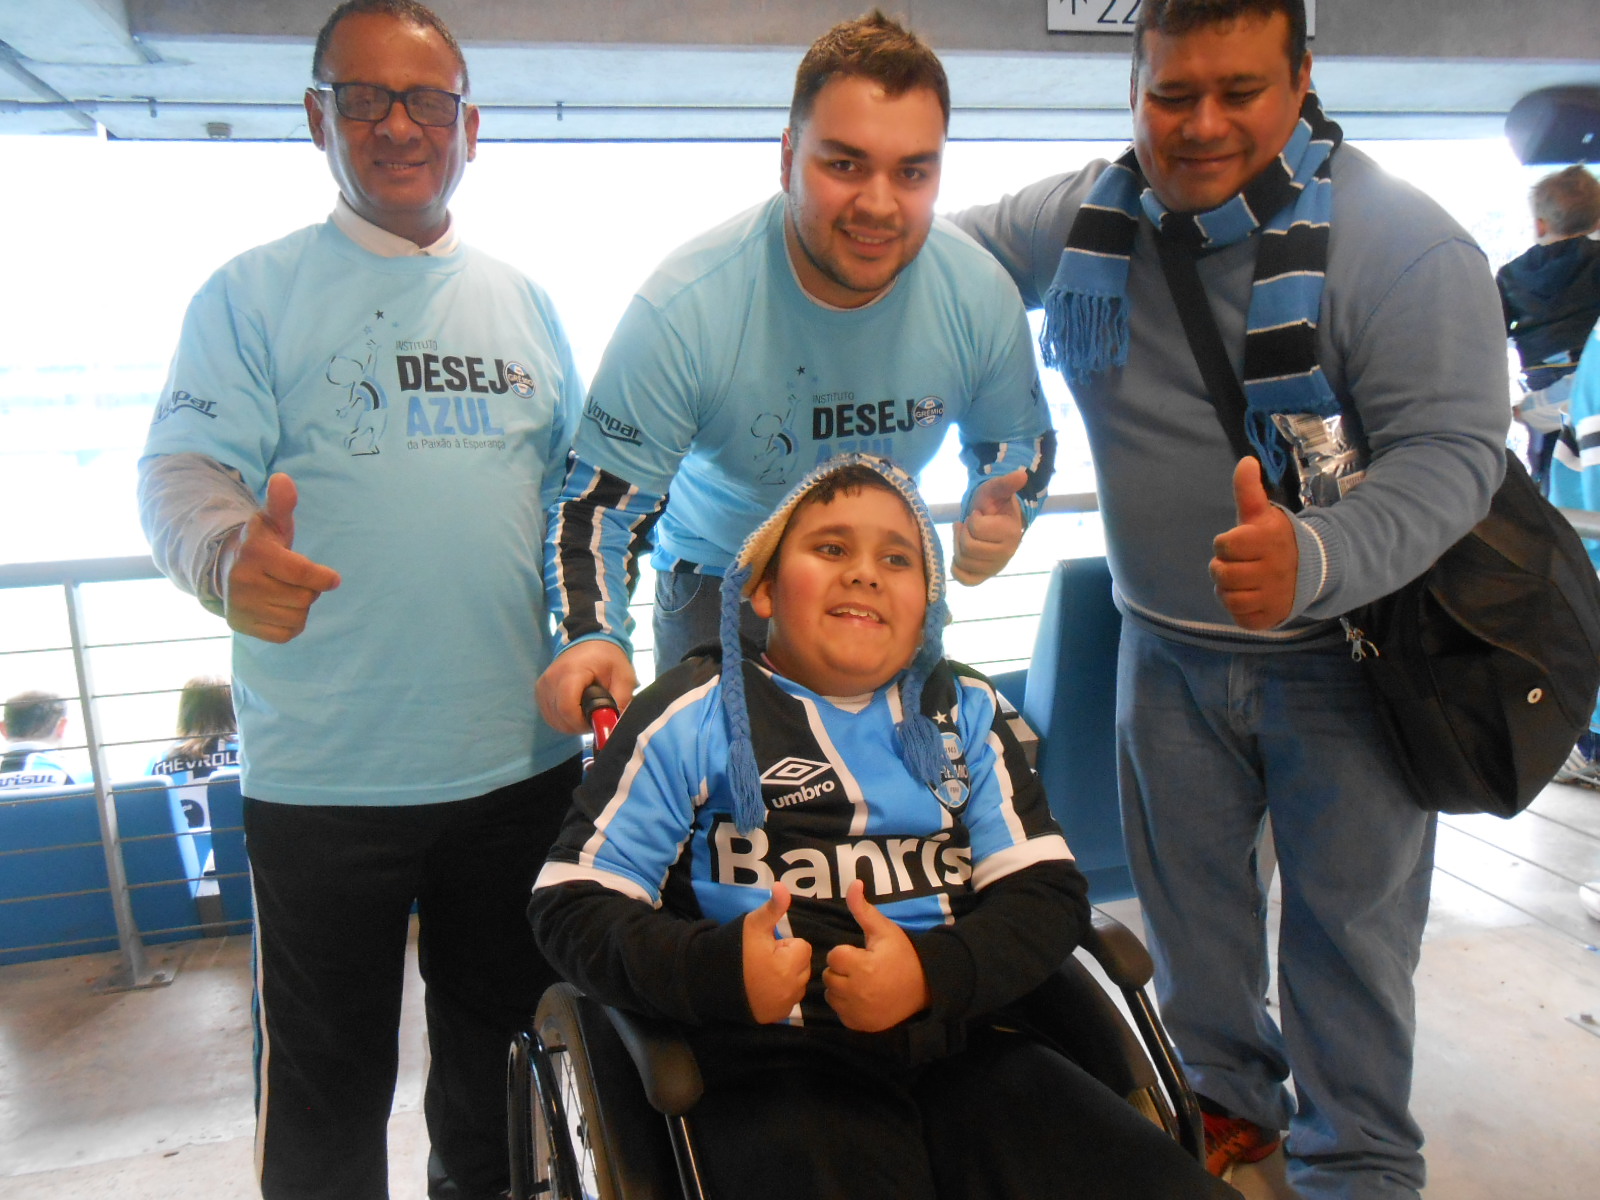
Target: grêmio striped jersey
<point>653,824</point>
<point>32,765</point>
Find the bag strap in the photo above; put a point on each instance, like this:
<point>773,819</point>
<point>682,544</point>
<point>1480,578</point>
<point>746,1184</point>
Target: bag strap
<point>1223,388</point>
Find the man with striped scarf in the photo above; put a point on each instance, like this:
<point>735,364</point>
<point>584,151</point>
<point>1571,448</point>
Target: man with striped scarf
<point>1352,307</point>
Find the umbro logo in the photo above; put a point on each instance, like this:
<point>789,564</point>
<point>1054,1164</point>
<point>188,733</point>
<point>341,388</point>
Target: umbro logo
<point>796,774</point>
<point>792,771</point>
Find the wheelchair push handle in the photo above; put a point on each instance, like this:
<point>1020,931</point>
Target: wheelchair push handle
<point>600,710</point>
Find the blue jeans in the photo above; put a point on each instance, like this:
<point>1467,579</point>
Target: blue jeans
<point>1210,743</point>
<point>687,612</point>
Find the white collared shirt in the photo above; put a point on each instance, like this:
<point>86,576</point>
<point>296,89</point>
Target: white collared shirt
<point>390,245</point>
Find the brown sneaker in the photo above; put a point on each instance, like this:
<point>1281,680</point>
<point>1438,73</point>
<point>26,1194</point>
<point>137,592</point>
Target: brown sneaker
<point>1233,1140</point>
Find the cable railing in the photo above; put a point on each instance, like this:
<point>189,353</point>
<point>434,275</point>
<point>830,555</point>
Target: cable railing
<point>116,641</point>
<point>99,864</point>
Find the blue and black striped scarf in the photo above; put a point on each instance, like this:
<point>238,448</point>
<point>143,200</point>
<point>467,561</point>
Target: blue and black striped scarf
<point>1289,203</point>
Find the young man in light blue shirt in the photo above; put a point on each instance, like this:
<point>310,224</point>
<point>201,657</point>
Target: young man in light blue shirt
<point>837,316</point>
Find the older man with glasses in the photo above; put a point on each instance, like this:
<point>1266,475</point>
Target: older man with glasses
<point>351,459</point>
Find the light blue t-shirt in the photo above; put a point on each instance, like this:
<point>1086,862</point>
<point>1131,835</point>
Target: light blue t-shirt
<point>726,383</point>
<point>423,406</point>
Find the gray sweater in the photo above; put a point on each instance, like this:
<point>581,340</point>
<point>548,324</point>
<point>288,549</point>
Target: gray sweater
<point>1410,338</point>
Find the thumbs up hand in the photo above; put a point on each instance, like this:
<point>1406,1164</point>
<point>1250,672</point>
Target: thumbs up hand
<point>282,499</point>
<point>986,540</point>
<point>268,588</point>
<point>1257,560</point>
<point>776,970</point>
<point>876,987</point>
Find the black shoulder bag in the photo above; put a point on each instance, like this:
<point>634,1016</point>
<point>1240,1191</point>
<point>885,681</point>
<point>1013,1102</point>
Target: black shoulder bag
<point>1484,668</point>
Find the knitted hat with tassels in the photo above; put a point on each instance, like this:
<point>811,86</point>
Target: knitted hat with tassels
<point>920,743</point>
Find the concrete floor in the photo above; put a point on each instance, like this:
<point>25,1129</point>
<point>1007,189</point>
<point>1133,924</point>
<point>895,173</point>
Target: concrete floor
<point>147,1095</point>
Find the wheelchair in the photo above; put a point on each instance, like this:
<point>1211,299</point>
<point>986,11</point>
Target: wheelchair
<point>600,1100</point>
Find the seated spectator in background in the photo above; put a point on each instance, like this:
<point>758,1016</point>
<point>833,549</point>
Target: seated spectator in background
<point>35,723</point>
<point>207,727</point>
<point>837,963</point>
<point>1551,297</point>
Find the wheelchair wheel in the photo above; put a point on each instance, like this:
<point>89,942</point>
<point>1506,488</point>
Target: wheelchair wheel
<point>561,1153</point>
<point>1073,1013</point>
<point>546,1155</point>
<point>580,1126</point>
<point>1151,1104</point>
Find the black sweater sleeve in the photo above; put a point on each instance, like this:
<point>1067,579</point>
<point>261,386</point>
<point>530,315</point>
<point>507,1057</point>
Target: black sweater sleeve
<point>625,953</point>
<point>1005,942</point>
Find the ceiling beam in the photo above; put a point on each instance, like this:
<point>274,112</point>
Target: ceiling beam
<point>71,31</point>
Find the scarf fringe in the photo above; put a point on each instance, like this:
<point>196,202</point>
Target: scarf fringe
<point>1269,445</point>
<point>1084,334</point>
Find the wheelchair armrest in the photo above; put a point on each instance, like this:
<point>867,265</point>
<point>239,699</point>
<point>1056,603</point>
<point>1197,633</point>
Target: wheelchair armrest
<point>664,1059</point>
<point>1120,954</point>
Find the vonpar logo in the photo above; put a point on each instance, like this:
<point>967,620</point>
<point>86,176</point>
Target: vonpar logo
<point>181,399</point>
<point>611,427</point>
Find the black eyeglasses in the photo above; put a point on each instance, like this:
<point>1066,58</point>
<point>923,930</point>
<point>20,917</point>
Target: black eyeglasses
<point>371,103</point>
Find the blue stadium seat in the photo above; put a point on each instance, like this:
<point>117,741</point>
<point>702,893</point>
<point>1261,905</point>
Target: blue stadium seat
<point>158,875</point>
<point>52,854</point>
<point>1070,700</point>
<point>50,848</point>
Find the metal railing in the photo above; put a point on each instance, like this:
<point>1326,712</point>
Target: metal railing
<point>62,842</point>
<point>1000,633</point>
<point>72,579</point>
<point>998,622</point>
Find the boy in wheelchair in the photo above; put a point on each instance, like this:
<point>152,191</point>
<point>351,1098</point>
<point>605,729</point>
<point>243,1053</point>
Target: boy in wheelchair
<point>832,865</point>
